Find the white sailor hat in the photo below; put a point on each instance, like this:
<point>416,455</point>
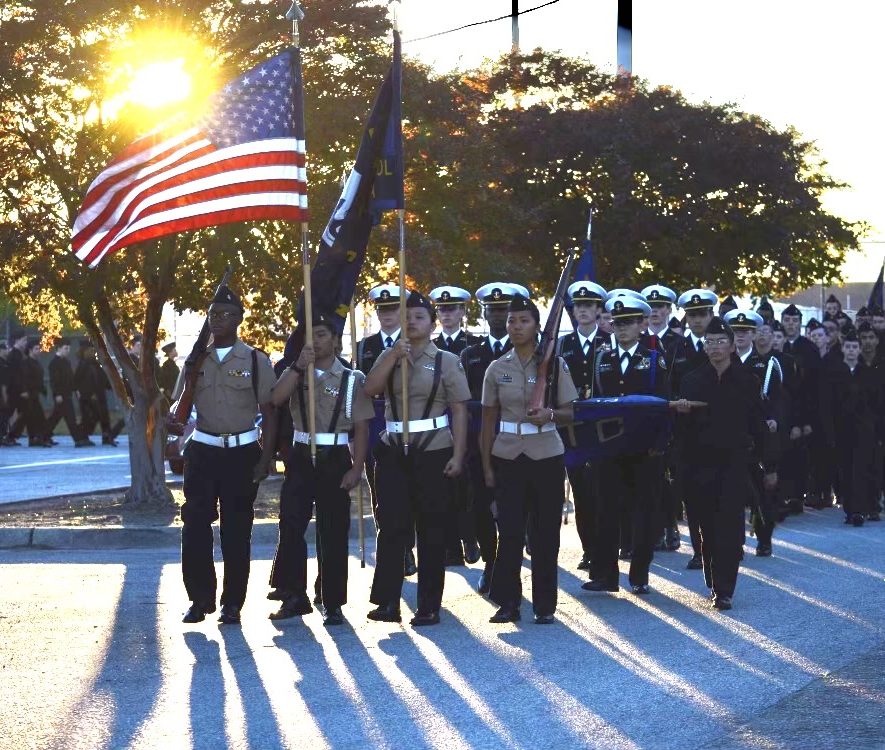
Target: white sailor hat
<point>586,291</point>
<point>627,306</point>
<point>746,319</point>
<point>449,295</point>
<point>499,293</point>
<point>623,293</point>
<point>658,293</point>
<point>697,299</point>
<point>385,295</point>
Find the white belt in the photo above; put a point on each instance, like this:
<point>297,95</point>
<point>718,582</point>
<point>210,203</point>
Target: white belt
<point>322,438</point>
<point>420,425</point>
<point>230,440</point>
<point>525,428</point>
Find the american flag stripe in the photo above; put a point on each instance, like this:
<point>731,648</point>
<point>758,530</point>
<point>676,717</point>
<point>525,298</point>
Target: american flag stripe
<point>243,160</point>
<point>212,213</point>
<point>234,165</point>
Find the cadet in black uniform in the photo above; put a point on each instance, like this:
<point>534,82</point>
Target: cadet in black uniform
<point>715,444</point>
<point>61,380</point>
<point>475,359</point>
<point>663,334</point>
<point>852,419</point>
<point>33,386</point>
<point>579,350</point>
<point>628,486</point>
<point>224,462</point>
<point>411,486</point>
<point>92,386</point>
<point>341,407</point>
<point>524,464</point>
<point>685,357</point>
<point>726,306</point>
<point>167,374</point>
<point>451,307</point>
<point>768,373</point>
<point>15,363</point>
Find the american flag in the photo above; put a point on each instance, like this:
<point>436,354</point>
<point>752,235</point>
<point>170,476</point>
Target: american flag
<point>243,160</point>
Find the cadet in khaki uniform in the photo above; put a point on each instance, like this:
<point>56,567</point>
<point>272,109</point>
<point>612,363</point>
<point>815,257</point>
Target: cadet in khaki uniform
<point>524,464</point>
<point>411,486</point>
<point>341,406</point>
<point>224,462</point>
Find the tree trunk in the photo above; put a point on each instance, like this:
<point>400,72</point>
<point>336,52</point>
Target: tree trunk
<point>145,423</point>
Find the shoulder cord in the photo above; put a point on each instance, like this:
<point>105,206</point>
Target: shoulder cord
<point>772,365</point>
<point>596,366</point>
<point>351,384</point>
<point>339,401</point>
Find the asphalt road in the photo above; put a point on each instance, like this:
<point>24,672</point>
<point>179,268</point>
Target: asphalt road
<point>93,655</point>
<point>32,473</point>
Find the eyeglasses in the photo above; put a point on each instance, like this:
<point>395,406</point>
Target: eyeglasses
<point>222,314</point>
<point>716,342</point>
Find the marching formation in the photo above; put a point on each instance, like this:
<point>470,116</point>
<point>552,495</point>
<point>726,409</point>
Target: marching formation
<point>469,467</point>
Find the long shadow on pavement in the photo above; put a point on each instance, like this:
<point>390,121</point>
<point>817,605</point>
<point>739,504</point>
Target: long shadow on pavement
<point>207,716</point>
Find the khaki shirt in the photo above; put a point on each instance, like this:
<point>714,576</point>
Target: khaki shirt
<point>509,384</point>
<point>452,390</point>
<point>224,397</point>
<point>326,394</point>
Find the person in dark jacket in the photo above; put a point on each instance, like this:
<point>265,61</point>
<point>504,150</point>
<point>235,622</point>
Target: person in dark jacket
<point>92,386</point>
<point>716,443</point>
<point>33,385</point>
<point>61,381</point>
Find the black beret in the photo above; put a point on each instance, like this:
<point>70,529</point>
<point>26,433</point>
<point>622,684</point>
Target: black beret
<point>226,297</point>
<point>777,326</point>
<point>813,325</point>
<point>321,318</point>
<point>519,303</point>
<point>849,335</point>
<point>728,302</point>
<point>863,312</point>
<point>864,327</point>
<point>166,348</point>
<point>876,310</point>
<point>765,305</point>
<point>792,310</point>
<point>832,298</point>
<point>719,326</point>
<point>416,299</point>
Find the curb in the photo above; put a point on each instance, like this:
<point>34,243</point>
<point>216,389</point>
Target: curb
<point>264,532</point>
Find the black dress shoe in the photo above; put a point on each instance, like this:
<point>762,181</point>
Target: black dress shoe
<point>197,612</point>
<point>277,595</point>
<point>544,619</point>
<point>385,613</point>
<point>453,558</point>
<point>409,566</point>
<point>230,615</point>
<point>424,618</point>
<point>674,541</point>
<point>484,584</point>
<point>292,607</point>
<point>84,443</point>
<point>109,441</point>
<point>506,614</point>
<point>856,519</point>
<point>585,562</point>
<point>722,603</point>
<point>317,600</point>
<point>763,550</point>
<point>599,585</point>
<point>332,616</point>
<point>641,590</point>
<point>471,553</point>
<point>696,563</point>
<point>625,554</point>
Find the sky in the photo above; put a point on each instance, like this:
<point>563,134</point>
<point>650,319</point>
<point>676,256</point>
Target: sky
<point>815,66</point>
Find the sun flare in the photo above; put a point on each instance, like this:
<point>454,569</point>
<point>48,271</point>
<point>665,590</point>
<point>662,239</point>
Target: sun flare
<point>160,84</point>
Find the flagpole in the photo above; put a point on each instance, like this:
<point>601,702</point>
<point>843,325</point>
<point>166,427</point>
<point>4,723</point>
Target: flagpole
<point>401,220</point>
<point>359,488</point>
<point>295,14</point>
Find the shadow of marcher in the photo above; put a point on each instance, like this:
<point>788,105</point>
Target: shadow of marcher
<point>207,720</point>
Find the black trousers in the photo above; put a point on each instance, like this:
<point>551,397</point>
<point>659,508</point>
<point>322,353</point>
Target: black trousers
<point>628,492</point>
<point>533,491</point>
<point>94,412</point>
<point>581,480</point>
<point>31,418</point>
<point>304,486</point>
<point>412,493</point>
<point>64,410</point>
<point>717,495</point>
<point>213,478</point>
<point>481,498</point>
<point>857,466</point>
<point>460,527</point>
<point>678,472</point>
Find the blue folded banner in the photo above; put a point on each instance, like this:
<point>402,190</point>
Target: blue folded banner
<point>609,427</point>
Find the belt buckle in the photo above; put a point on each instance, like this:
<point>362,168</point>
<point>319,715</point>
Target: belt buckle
<point>224,438</point>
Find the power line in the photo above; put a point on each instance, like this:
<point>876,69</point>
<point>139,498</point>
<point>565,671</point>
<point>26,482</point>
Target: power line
<point>479,23</point>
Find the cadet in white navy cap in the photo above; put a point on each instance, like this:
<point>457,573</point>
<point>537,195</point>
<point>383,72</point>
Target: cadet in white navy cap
<point>744,324</point>
<point>495,298</point>
<point>451,306</point>
<point>579,350</point>
<point>687,355</point>
<point>660,299</point>
<point>629,485</point>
